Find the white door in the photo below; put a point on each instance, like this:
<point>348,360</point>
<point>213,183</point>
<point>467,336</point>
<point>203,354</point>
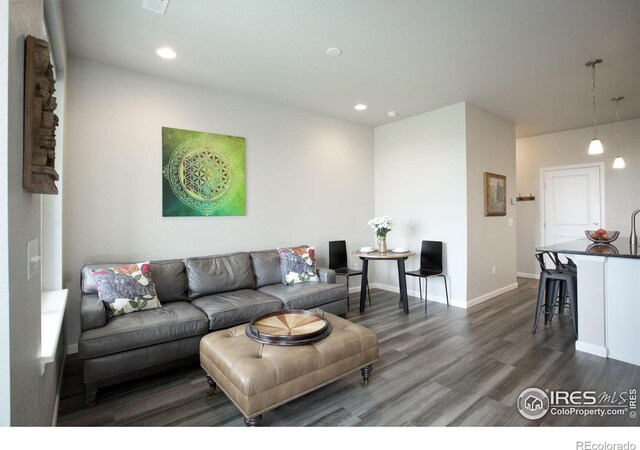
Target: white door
<point>572,203</point>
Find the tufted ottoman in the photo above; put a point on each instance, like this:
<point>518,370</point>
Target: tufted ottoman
<point>259,377</point>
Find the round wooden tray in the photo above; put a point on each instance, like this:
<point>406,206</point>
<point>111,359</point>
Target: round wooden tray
<point>295,327</point>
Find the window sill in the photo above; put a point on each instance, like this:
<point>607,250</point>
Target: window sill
<point>53,305</point>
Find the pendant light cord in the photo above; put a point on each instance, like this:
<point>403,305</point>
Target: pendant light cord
<point>618,128</point>
<point>593,81</point>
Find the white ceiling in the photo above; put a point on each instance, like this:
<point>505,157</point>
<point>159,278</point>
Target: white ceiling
<point>522,60</point>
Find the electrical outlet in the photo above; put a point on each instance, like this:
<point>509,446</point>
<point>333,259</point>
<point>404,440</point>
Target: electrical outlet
<point>493,270</point>
<point>357,265</point>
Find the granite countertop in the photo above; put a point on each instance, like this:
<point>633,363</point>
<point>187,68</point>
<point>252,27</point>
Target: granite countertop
<point>620,248</point>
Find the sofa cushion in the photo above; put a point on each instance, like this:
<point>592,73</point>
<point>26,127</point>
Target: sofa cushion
<point>306,295</point>
<point>216,274</point>
<point>176,320</point>
<point>169,276</point>
<point>231,308</point>
<point>266,267</point>
<point>171,280</point>
<point>127,289</point>
<point>298,265</point>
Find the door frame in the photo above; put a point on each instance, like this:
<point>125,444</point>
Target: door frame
<point>601,167</point>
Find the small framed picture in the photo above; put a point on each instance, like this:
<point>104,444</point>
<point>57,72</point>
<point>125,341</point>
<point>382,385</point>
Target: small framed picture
<point>495,194</point>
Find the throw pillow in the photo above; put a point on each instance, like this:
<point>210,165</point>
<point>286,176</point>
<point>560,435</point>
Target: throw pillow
<point>126,289</point>
<point>297,265</point>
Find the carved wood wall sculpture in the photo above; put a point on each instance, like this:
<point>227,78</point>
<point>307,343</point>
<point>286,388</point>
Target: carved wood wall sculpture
<point>40,122</point>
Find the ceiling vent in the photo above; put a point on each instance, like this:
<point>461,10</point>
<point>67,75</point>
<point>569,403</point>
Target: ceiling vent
<point>157,6</point>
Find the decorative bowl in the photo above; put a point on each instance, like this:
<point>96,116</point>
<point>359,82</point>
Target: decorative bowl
<point>611,236</point>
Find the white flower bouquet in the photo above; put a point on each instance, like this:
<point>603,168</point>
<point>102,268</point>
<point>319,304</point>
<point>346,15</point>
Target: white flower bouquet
<point>381,225</point>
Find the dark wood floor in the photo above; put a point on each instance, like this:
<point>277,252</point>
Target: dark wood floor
<point>453,367</point>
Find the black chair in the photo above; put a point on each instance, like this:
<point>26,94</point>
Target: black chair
<point>553,282</point>
<point>338,263</point>
<point>430,266</point>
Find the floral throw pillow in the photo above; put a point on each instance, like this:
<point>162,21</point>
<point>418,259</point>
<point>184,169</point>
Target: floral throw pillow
<point>297,265</point>
<point>126,289</point>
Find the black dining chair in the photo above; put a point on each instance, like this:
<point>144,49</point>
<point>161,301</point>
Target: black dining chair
<point>338,263</point>
<point>430,266</point>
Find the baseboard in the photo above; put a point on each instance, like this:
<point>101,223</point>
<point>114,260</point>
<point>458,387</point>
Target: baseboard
<point>591,348</point>
<point>492,294</point>
<point>354,290</point>
<point>535,276</point>
<point>72,348</point>
<point>414,293</point>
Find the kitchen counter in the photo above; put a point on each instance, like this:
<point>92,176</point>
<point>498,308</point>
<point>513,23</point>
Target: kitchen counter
<point>608,297</point>
<point>620,248</point>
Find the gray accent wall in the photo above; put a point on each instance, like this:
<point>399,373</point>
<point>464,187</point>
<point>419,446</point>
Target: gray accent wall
<point>491,241</point>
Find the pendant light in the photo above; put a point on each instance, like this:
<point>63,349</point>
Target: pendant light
<point>618,163</point>
<point>595,148</point>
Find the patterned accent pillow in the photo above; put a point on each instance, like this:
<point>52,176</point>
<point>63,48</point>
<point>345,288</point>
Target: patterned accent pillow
<point>297,265</point>
<point>126,289</point>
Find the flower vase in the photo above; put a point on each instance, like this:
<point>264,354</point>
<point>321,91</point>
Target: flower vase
<point>382,244</point>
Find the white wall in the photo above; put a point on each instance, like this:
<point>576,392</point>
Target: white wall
<point>32,392</point>
<point>5,350</point>
<point>491,241</point>
<point>51,245</point>
<point>622,186</point>
<point>420,181</point>
<point>309,177</point>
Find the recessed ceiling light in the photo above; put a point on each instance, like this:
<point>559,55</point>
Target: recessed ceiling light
<point>334,51</point>
<point>360,107</point>
<point>392,113</point>
<point>166,53</point>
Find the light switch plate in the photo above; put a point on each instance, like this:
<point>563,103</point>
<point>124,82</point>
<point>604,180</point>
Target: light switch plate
<point>33,258</point>
<point>510,221</point>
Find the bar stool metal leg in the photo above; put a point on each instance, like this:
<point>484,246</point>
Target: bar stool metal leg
<point>539,302</point>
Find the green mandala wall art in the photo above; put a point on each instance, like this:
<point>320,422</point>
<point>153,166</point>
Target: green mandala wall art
<point>203,174</point>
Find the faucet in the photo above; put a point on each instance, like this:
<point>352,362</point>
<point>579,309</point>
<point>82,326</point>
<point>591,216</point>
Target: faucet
<point>634,237</point>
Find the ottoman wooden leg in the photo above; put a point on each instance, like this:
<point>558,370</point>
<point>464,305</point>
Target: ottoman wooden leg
<point>254,421</point>
<point>366,373</point>
<point>212,386</point>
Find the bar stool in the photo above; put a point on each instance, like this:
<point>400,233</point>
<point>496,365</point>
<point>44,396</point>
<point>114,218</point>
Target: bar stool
<point>553,282</point>
<point>568,266</point>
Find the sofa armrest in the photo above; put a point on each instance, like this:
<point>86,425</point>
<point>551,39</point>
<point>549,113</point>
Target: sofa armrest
<point>92,312</point>
<point>326,275</point>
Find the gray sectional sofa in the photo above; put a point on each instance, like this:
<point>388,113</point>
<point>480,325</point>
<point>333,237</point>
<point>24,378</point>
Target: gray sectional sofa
<point>198,295</point>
